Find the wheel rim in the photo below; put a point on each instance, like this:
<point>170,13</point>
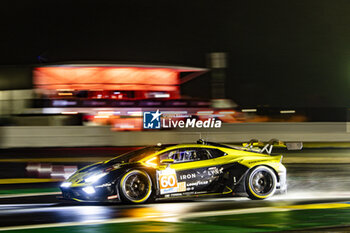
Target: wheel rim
<point>136,187</point>
<point>262,183</point>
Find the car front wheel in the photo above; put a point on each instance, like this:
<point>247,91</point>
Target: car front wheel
<point>135,186</point>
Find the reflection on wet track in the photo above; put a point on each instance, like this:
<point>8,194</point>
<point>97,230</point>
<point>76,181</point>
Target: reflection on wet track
<point>79,214</point>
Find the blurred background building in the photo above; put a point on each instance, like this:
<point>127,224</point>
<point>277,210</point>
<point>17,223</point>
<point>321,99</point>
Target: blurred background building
<point>116,94</point>
<point>94,93</point>
<point>113,94</point>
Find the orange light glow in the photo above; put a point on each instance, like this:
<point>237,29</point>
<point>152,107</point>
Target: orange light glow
<point>106,78</point>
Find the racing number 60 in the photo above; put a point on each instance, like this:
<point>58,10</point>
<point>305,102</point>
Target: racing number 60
<point>168,181</point>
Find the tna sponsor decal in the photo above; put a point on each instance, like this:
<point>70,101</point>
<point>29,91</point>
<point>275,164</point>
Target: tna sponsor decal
<point>157,120</point>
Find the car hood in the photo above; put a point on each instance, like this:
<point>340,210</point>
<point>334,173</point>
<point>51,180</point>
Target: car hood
<point>96,168</point>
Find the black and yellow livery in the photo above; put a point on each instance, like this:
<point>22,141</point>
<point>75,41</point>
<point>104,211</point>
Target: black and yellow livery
<point>180,171</point>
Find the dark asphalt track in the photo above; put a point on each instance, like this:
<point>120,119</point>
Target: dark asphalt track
<point>46,209</point>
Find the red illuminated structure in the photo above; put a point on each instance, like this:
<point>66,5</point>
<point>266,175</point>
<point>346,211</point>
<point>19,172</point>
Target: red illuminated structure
<point>113,94</point>
<point>103,81</point>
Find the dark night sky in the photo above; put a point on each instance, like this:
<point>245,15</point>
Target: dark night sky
<point>281,53</point>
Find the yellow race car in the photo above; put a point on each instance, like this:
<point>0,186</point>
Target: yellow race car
<point>204,169</point>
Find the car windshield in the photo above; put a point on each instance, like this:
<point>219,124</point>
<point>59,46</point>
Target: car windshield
<point>136,155</point>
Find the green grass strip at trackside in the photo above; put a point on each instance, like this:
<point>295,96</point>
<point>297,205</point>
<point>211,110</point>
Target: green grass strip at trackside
<point>280,221</point>
<point>255,222</point>
<point>27,191</point>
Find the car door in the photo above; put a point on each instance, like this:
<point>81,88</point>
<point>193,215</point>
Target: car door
<point>194,171</point>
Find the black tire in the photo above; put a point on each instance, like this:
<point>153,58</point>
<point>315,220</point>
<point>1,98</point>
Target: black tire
<point>135,187</point>
<point>261,183</point>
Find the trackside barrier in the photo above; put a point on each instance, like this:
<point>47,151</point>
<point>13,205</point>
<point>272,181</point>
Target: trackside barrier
<point>82,136</point>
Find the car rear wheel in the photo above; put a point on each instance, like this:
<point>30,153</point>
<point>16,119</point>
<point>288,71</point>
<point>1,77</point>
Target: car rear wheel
<point>136,186</point>
<point>261,183</point>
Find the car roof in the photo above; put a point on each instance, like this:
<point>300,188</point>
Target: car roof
<point>199,143</point>
<point>177,146</point>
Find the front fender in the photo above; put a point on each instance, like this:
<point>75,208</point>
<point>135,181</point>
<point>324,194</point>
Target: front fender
<point>116,175</point>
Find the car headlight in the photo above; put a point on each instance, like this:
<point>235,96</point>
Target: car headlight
<point>94,178</point>
<point>66,184</point>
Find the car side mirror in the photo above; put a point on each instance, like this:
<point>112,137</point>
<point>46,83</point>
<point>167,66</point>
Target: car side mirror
<point>167,161</point>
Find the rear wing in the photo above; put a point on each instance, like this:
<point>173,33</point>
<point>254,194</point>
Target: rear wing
<point>261,147</point>
<point>255,145</point>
